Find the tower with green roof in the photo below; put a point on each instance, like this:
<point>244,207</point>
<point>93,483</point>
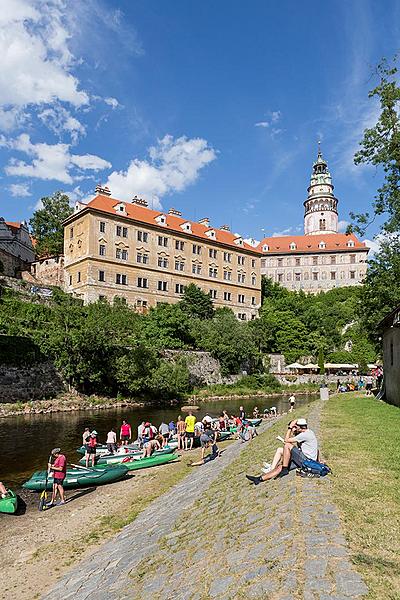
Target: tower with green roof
<point>320,208</point>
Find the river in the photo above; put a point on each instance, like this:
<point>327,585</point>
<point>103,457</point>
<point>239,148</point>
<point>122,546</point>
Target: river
<point>26,440</point>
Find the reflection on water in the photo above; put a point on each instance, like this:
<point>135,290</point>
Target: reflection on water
<point>26,440</point>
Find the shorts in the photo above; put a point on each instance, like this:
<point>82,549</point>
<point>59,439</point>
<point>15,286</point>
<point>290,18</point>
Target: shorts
<point>368,386</point>
<point>59,480</point>
<point>165,436</point>
<point>91,450</point>
<point>190,435</point>
<point>297,459</point>
<point>125,438</point>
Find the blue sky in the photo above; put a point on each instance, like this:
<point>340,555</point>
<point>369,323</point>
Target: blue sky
<point>214,108</point>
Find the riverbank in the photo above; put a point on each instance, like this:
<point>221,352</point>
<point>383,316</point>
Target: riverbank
<point>78,402</point>
<point>42,546</point>
<point>361,445</point>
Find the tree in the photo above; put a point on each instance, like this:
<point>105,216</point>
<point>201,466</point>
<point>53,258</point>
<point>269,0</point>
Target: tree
<point>167,326</point>
<point>47,224</point>
<point>196,303</point>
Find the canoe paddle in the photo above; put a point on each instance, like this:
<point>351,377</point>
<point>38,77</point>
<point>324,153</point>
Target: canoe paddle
<point>43,495</point>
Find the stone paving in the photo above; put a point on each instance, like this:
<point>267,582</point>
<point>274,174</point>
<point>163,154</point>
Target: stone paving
<point>216,536</point>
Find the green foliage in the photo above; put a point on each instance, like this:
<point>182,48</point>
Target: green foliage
<point>196,303</point>
<point>46,224</point>
<point>228,340</point>
<point>380,147</point>
<point>167,326</point>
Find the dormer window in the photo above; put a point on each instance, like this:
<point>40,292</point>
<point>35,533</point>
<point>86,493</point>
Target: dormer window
<point>120,208</point>
<point>350,244</point>
<point>322,245</point>
<point>161,219</point>
<point>239,241</point>
<point>265,248</point>
<point>292,246</point>
<point>211,234</point>
<point>187,227</point>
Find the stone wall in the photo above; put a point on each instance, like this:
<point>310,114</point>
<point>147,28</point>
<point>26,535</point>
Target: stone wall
<point>11,265</point>
<point>203,368</point>
<point>36,382</point>
<point>288,379</point>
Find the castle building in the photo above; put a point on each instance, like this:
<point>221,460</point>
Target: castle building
<point>322,258</point>
<point>16,248</point>
<point>116,249</point>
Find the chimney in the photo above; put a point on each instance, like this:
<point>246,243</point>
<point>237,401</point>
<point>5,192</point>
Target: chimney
<point>139,201</point>
<point>174,212</point>
<point>225,228</point>
<point>102,191</point>
<point>205,222</point>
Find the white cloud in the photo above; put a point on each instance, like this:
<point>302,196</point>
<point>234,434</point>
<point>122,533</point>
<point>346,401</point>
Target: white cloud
<point>273,117</point>
<point>252,242</point>
<point>286,231</point>
<point>343,225</point>
<point>173,165</point>
<point>51,161</point>
<point>113,102</point>
<point>19,190</point>
<point>11,117</point>
<point>35,65</point>
<point>60,120</point>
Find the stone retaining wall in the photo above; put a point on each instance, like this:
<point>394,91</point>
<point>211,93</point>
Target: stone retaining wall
<point>204,369</point>
<point>36,382</point>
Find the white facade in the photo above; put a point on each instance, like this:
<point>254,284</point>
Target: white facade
<point>322,258</point>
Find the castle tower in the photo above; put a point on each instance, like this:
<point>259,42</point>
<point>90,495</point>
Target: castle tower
<point>320,208</point>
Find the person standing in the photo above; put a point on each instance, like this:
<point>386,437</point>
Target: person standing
<point>91,448</point>
<point>85,440</point>
<point>163,430</point>
<point>125,433</point>
<point>292,402</point>
<point>58,468</point>
<point>172,428</point>
<point>190,422</point>
<point>140,432</point>
<point>242,413</point>
<point>181,428</point>
<point>111,441</point>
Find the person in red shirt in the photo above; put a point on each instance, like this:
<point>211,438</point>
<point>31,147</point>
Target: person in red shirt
<point>58,468</point>
<point>125,433</point>
<point>91,448</point>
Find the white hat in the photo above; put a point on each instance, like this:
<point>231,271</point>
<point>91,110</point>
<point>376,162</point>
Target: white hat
<point>301,422</point>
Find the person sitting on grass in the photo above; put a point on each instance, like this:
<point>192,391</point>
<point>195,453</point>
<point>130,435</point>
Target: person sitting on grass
<point>151,446</point>
<point>300,444</point>
<point>3,490</point>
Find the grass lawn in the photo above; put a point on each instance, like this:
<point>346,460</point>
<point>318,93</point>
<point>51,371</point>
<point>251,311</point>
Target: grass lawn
<point>361,442</point>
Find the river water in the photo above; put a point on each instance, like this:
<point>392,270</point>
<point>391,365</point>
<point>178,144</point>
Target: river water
<point>26,440</point>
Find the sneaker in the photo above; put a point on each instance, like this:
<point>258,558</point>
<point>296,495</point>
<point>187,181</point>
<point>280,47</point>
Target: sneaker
<point>267,465</point>
<point>61,503</point>
<point>255,480</point>
<point>282,473</point>
<point>267,470</point>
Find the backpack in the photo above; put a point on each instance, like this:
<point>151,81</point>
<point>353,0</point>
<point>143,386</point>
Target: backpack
<point>313,468</point>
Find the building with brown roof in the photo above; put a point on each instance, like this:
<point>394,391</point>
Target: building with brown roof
<point>16,248</point>
<point>116,249</point>
<point>322,258</point>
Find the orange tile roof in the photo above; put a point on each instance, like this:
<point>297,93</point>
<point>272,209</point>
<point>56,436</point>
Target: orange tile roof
<point>146,215</point>
<point>13,224</point>
<point>335,242</point>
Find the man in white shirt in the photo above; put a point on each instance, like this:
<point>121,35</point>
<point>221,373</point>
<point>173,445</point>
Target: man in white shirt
<point>111,441</point>
<point>300,444</point>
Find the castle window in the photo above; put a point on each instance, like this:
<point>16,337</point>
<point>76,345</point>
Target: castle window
<point>179,288</point>
<point>292,246</point>
<point>263,263</point>
<point>227,296</point>
<point>253,263</point>
<point>142,258</point>
<point>315,276</point>
<point>227,257</point>
<point>280,277</point>
<point>333,260</point>
<point>142,236</point>
<point>142,282</point>
<point>322,245</point>
<point>315,260</point>
<point>265,248</point>
<point>121,279</point>
<point>297,276</point>
<point>253,300</point>
<point>196,249</point>
<point>179,245</point>
<point>253,280</point>
<point>162,262</point>
<point>297,262</point>
<point>241,278</point>
<point>79,277</point>
<point>179,265</point>
<point>71,233</point>
<point>213,272</point>
<point>241,260</point>
<point>102,276</point>
<point>212,253</point>
<point>352,259</point>
<point>333,275</point>
<point>280,262</point>
<point>213,294</point>
<point>350,244</point>
<point>227,275</point>
<point>70,280</point>
<point>102,250</point>
<point>322,224</point>
<point>242,316</point>
<point>162,241</point>
<point>196,269</point>
<point>352,274</point>
<point>102,227</point>
<point>241,298</point>
<point>162,286</point>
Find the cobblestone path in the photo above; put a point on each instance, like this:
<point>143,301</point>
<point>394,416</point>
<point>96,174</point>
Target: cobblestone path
<point>216,536</point>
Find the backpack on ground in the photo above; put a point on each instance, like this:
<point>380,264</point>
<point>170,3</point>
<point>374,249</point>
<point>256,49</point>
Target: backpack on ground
<point>313,468</point>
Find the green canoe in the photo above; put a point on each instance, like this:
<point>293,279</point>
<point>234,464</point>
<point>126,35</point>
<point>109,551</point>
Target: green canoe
<point>152,461</point>
<point>77,478</point>
<point>9,503</point>
<point>102,449</point>
<point>253,422</point>
<point>114,459</point>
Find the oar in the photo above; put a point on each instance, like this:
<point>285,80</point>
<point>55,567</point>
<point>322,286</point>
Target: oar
<point>79,467</point>
<point>43,495</point>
